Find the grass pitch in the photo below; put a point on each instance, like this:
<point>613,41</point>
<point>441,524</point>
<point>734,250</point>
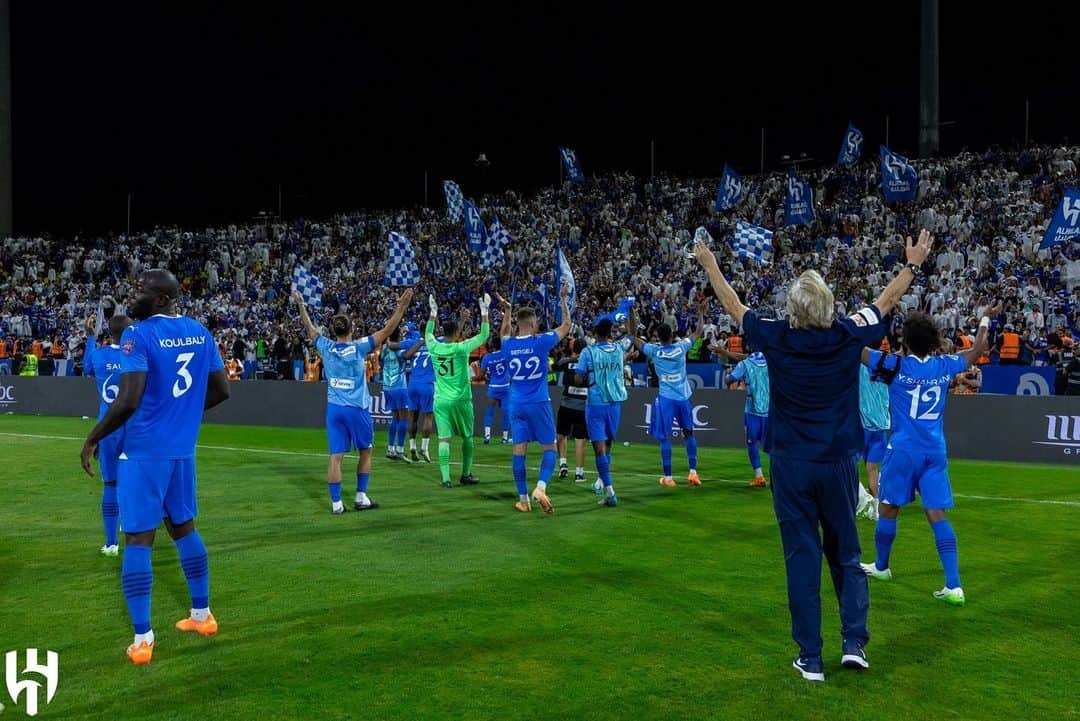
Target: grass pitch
<point>448,604</point>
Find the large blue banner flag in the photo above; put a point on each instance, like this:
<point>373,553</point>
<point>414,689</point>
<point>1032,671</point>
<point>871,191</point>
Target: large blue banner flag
<point>571,165</point>
<point>475,230</point>
<point>563,274</point>
<point>899,179</point>
<point>799,204</point>
<point>454,200</point>
<point>1065,225</point>
<point>302,280</point>
<point>851,148</point>
<point>730,191</point>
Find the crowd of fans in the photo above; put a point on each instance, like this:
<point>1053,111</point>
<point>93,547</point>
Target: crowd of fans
<point>623,235</point>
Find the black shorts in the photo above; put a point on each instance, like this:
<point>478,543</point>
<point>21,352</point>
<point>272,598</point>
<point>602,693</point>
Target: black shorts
<point>571,423</point>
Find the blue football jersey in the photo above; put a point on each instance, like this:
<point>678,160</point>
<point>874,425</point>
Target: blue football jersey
<point>873,402</point>
<point>393,369</point>
<point>106,365</point>
<point>177,354</point>
<point>423,374</point>
<point>529,365</point>
<point>754,370</point>
<point>602,365</point>
<point>917,401</point>
<point>495,364</point>
<point>343,364</point>
<point>670,364</point>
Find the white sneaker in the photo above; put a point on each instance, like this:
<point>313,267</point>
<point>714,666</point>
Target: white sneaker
<point>110,551</point>
<point>953,596</point>
<point>871,570</point>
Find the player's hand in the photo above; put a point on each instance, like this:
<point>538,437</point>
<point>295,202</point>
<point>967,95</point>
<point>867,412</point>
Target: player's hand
<point>405,298</point>
<point>918,252</point>
<point>504,305</point>
<point>298,298</point>
<point>432,304</point>
<point>485,303</point>
<point>89,450</point>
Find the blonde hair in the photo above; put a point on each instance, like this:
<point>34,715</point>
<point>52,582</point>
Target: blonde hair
<point>810,302</point>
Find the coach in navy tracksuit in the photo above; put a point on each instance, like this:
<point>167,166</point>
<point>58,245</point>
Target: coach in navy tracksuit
<point>813,436</point>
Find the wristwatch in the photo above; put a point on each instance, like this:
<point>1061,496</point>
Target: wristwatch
<point>915,269</point>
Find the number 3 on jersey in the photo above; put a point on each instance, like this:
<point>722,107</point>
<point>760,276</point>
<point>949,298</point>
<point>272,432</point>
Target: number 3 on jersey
<point>183,359</point>
<point>932,395</point>
<point>531,365</point>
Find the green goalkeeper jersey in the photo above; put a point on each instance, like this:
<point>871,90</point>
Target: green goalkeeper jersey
<point>451,363</point>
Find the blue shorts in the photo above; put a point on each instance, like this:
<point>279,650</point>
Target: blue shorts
<point>109,455</point>
<point>500,394</point>
<point>666,413</point>
<point>151,490</point>
<point>903,473</point>
<point>874,444</point>
<point>396,400</point>
<point>348,427</point>
<point>755,428</point>
<point>422,398</point>
<point>532,422</point>
<point>603,421</point>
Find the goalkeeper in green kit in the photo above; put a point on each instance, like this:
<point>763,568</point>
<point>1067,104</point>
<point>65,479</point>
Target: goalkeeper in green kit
<point>453,392</point>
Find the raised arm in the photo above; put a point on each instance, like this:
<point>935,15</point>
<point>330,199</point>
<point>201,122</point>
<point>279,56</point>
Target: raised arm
<point>976,350</point>
<point>724,292</point>
<point>309,327</point>
<point>916,254</point>
<point>700,323</point>
<point>564,306</point>
<point>485,328</point>
<point>402,305</point>
<point>631,328</point>
<point>504,308</point>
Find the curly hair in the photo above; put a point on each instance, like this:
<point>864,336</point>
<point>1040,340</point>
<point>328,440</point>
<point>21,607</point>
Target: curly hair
<point>921,336</point>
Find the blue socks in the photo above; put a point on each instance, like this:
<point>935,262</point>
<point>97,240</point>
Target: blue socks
<point>361,482</point>
<point>520,477</point>
<point>547,466</point>
<point>884,535</point>
<point>397,432</point>
<point>137,578</point>
<point>665,456</point>
<point>754,455</point>
<point>691,452</point>
<point>193,560</point>
<point>946,548</point>
<point>110,515</point>
<point>335,492</point>
<point>603,468</point>
<point>489,416</point>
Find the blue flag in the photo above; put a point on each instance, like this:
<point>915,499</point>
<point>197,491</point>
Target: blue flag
<point>621,312</point>
<point>401,266</point>
<point>497,239</point>
<point>309,286</point>
<point>563,274</point>
<point>851,148</point>
<point>454,200</point>
<point>753,242</point>
<point>899,179</point>
<point>571,165</point>
<point>475,231</point>
<point>1065,225</point>
<point>730,191</point>
<point>799,204</point>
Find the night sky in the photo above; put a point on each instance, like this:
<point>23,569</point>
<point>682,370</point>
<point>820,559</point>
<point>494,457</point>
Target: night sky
<point>201,111</point>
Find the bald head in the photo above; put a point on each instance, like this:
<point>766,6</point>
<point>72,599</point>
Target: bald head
<point>156,292</point>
